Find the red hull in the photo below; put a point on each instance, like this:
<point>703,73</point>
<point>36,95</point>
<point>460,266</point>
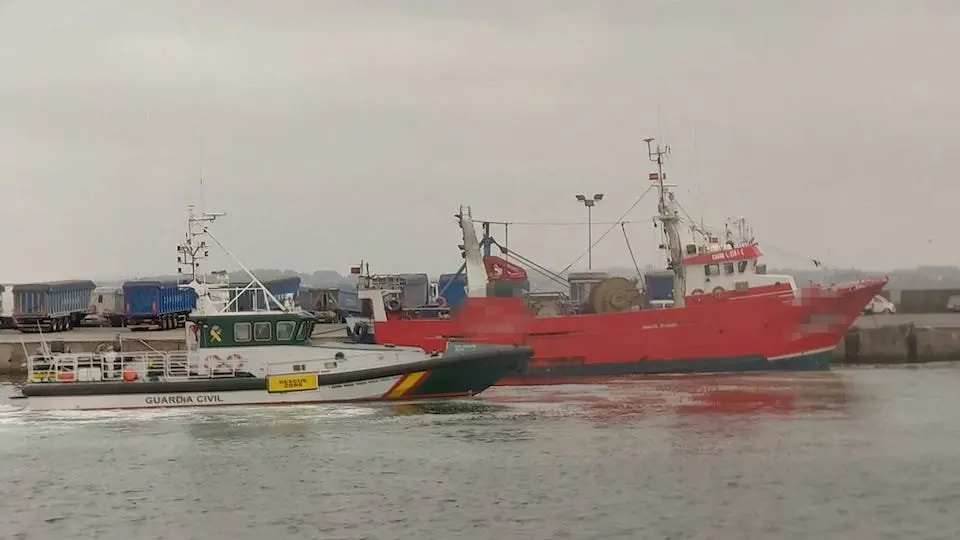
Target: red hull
<point>773,330</point>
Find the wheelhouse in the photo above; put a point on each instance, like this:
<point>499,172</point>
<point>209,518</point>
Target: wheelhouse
<point>253,329</point>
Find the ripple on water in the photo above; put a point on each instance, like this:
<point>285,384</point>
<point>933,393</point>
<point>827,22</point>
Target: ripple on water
<point>853,454</point>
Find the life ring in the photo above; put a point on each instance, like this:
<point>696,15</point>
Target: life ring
<point>696,292</point>
<point>441,301</point>
<point>393,305</point>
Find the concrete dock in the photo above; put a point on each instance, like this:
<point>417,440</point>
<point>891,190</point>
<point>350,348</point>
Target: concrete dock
<point>897,338</point>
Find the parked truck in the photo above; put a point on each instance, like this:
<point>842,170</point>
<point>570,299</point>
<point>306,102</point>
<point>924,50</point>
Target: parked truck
<point>6,306</point>
<point>284,289</point>
<point>156,305</point>
<point>53,306</point>
<point>453,288</point>
<point>331,304</point>
<point>106,307</point>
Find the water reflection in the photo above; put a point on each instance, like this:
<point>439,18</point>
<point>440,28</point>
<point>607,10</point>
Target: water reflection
<point>723,395</point>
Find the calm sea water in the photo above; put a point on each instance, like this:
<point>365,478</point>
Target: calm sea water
<point>862,453</point>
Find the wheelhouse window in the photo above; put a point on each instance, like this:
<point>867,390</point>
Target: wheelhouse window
<point>262,330</point>
<point>302,331</point>
<point>285,330</point>
<point>742,266</point>
<point>728,268</point>
<point>711,270</point>
<point>241,332</point>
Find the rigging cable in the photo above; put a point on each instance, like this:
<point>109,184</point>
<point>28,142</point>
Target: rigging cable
<point>563,223</point>
<point>602,236</point>
<point>817,263</point>
<point>630,249</point>
<point>540,269</point>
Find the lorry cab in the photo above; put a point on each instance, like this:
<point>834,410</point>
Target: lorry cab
<point>6,306</point>
<point>879,304</point>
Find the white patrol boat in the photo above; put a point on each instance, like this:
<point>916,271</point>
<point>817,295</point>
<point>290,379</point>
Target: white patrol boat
<point>261,357</point>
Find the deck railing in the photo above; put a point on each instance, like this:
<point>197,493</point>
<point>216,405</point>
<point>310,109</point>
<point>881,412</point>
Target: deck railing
<point>130,367</point>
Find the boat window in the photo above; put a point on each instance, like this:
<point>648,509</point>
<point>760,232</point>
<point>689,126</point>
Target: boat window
<point>742,266</point>
<point>285,330</point>
<point>261,331</point>
<point>302,331</point>
<point>241,332</point>
<point>728,268</point>
<point>711,270</point>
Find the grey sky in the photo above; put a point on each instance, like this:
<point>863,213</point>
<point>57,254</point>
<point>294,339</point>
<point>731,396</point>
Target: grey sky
<point>331,131</point>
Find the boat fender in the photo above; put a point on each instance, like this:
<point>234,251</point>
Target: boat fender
<point>361,330</point>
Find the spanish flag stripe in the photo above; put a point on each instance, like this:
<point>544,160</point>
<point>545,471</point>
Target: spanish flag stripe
<point>407,383</point>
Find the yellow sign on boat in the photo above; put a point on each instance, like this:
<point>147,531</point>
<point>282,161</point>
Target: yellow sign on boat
<point>292,383</point>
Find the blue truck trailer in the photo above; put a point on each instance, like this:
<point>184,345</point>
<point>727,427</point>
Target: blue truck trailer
<point>52,306</point>
<point>659,288</point>
<point>453,288</point>
<point>285,289</point>
<point>156,305</point>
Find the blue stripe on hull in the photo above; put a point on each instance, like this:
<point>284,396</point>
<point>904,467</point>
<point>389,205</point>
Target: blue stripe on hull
<point>817,361</point>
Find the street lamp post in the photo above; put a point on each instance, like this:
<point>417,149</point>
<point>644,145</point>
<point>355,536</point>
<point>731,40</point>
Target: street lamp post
<point>590,203</point>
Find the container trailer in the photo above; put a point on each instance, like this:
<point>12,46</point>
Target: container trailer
<point>106,307</point>
<point>285,289</point>
<point>156,305</point>
<point>453,288</point>
<point>659,288</point>
<point>52,306</point>
<point>6,306</point>
<point>330,304</point>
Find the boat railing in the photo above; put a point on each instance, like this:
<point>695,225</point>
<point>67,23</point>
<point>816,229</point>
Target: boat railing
<point>129,367</point>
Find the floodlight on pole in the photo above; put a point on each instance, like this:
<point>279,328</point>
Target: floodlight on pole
<point>589,203</point>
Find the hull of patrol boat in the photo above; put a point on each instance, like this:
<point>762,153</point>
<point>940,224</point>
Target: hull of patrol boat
<point>464,370</point>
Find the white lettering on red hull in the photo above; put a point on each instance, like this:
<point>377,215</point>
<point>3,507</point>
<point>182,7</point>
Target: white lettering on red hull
<point>729,254</point>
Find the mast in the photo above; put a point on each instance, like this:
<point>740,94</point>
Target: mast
<point>669,216</point>
<point>472,255</point>
<point>194,249</point>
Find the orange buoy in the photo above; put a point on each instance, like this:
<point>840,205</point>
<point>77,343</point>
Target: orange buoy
<point>129,376</point>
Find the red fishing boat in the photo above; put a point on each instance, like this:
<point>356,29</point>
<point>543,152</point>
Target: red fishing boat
<point>727,313</point>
